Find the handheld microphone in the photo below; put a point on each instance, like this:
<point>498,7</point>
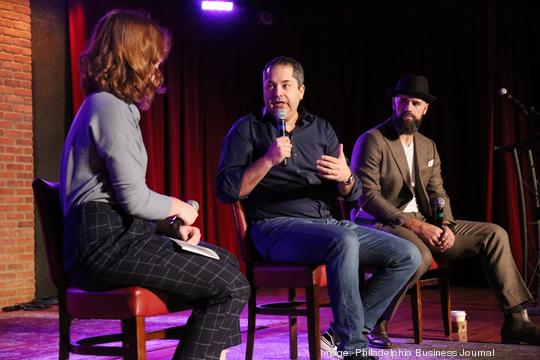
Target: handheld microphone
<point>439,211</point>
<point>503,91</point>
<point>176,222</point>
<point>282,127</point>
<point>506,94</point>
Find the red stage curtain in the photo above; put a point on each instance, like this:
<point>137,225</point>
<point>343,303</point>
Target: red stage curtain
<point>350,58</point>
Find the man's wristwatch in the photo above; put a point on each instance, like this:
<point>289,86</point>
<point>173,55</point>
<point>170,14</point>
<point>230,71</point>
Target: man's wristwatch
<point>349,180</point>
<point>451,226</point>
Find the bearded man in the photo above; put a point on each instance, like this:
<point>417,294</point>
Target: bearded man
<point>403,194</point>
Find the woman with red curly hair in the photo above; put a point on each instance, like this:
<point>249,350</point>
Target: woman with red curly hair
<point>113,220</point>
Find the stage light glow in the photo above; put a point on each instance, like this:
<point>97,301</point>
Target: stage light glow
<point>217,5</point>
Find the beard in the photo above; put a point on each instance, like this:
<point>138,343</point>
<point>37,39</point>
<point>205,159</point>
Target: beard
<point>408,127</point>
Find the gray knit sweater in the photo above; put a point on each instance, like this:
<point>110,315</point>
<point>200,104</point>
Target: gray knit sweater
<point>104,159</point>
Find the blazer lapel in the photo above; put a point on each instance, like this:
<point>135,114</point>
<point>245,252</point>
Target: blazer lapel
<point>396,149</point>
<point>421,163</point>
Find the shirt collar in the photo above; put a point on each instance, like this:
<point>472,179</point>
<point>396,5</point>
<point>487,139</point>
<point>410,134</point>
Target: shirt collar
<point>303,116</point>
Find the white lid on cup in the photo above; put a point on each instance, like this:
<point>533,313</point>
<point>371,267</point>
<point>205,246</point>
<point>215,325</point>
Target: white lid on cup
<point>458,315</point>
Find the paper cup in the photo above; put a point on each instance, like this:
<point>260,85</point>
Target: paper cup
<point>458,315</point>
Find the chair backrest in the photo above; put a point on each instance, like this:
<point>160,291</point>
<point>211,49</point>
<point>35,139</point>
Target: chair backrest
<point>47,196</point>
<point>249,253</point>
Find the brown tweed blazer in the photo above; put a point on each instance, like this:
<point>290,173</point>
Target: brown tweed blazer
<point>379,161</point>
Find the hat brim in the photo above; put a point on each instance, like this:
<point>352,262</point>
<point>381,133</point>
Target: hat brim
<point>426,97</point>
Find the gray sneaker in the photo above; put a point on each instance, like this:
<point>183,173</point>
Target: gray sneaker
<point>329,343</point>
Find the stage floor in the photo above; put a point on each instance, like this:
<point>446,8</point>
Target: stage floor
<point>34,334</point>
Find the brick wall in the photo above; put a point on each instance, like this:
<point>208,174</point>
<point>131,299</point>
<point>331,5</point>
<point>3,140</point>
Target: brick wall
<point>16,158</point>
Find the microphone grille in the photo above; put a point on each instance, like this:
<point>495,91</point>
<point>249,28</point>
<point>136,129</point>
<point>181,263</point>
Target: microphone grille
<point>194,203</point>
<point>281,114</point>
<point>503,91</point>
<point>439,202</point>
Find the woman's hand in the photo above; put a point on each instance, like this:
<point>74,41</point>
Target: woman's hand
<point>185,212</point>
<point>189,234</point>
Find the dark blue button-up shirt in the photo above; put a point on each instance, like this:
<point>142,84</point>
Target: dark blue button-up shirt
<point>294,190</point>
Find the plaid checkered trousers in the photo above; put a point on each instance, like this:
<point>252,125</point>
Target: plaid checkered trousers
<point>106,248</point>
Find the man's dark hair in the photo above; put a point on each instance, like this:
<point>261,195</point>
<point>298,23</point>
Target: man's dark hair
<point>298,70</point>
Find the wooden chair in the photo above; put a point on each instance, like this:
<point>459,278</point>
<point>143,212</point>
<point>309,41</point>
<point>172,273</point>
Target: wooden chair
<point>130,305</point>
<point>263,274</point>
<point>435,276</point>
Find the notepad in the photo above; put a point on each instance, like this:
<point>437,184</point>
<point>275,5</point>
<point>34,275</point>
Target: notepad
<point>196,249</point>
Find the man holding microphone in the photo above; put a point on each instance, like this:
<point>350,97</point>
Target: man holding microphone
<point>288,205</point>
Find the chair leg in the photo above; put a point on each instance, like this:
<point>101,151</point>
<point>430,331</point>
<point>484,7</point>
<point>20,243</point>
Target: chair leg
<point>444,285</point>
<point>65,343</point>
<point>250,342</point>
<point>314,331</point>
<point>65,327</point>
<point>293,329</point>
<point>134,338</point>
<point>416,305</point>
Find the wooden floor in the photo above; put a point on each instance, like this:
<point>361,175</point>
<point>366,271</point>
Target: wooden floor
<point>484,320</point>
<point>484,317</point>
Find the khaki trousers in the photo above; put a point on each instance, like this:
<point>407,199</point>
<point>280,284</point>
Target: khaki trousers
<point>486,240</point>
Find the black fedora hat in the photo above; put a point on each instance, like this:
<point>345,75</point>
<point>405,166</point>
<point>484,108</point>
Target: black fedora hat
<point>413,85</point>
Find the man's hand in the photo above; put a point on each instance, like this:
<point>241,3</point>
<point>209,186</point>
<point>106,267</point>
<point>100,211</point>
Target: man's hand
<point>189,234</point>
<point>442,238</point>
<point>446,241</point>
<point>332,168</point>
<point>280,149</point>
<point>430,234</point>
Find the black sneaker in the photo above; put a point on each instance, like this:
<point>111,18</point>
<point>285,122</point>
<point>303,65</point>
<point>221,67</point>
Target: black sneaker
<point>329,343</point>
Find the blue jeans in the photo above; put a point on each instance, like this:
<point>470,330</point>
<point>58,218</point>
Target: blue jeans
<point>344,247</point>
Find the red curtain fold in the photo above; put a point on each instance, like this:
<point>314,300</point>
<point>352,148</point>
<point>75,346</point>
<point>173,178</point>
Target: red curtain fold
<point>213,78</point>
<point>77,41</point>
